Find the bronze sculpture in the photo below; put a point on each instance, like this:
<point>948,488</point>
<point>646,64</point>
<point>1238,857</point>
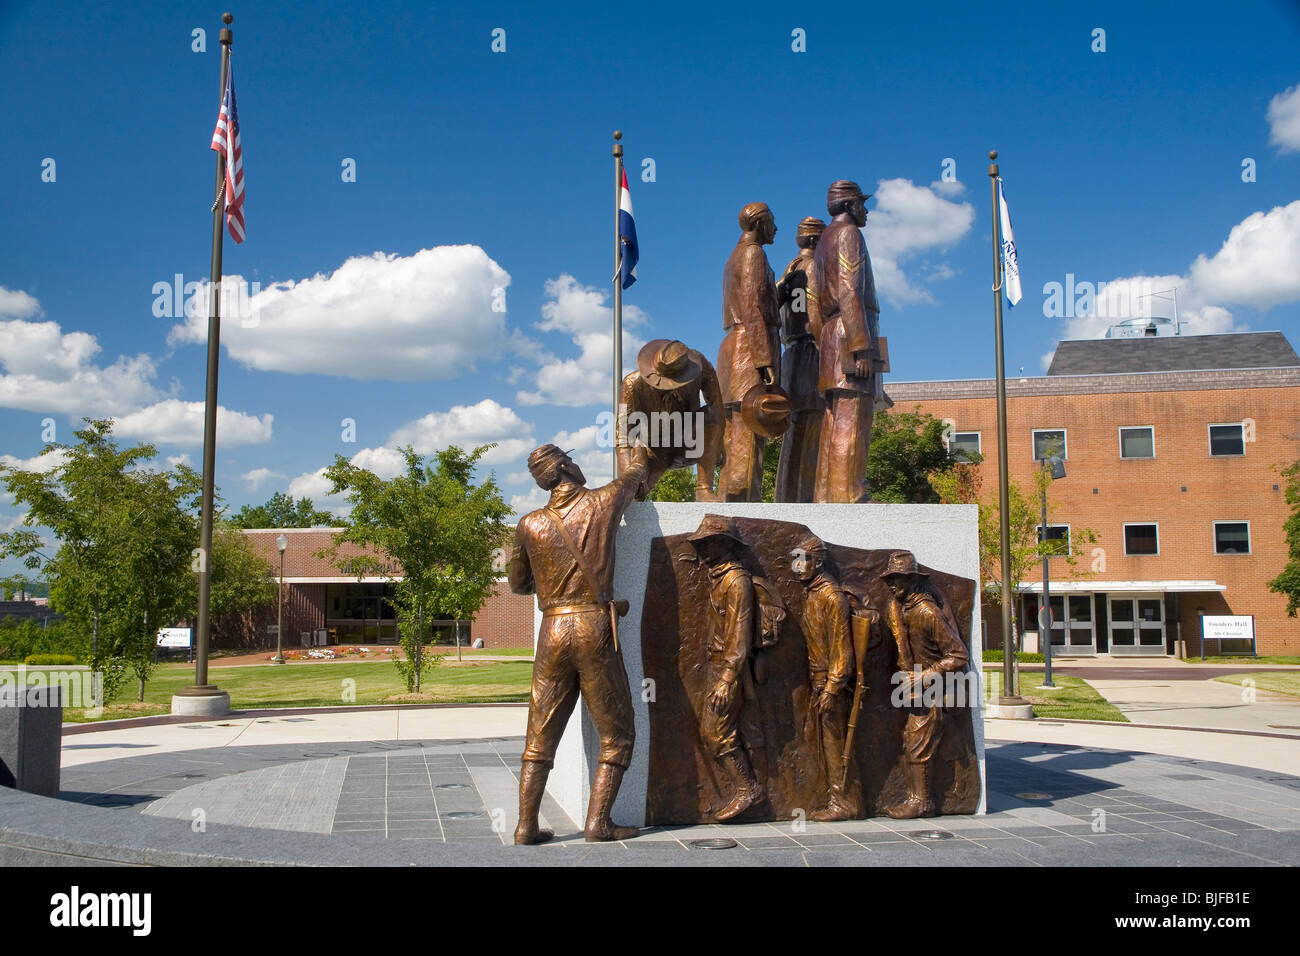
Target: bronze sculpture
<point>851,361</point>
<point>801,326</point>
<point>662,411</point>
<point>929,647</point>
<point>794,765</point>
<point>828,634</point>
<point>750,352</point>
<point>727,719</point>
<point>564,552</point>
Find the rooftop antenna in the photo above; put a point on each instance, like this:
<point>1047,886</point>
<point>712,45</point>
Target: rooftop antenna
<point>1174,293</point>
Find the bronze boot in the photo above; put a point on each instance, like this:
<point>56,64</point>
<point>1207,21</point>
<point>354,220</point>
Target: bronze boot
<point>837,808</point>
<point>600,828</point>
<point>918,803</point>
<point>532,784</point>
<point>748,790</point>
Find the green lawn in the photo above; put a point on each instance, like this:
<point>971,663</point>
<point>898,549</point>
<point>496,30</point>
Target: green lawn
<point>1279,682</point>
<point>1076,699</point>
<point>326,684</point>
<point>1239,659</point>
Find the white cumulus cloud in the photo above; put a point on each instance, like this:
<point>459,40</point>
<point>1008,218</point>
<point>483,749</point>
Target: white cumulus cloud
<point>907,221</point>
<point>580,312</point>
<point>468,426</point>
<point>421,317</point>
<point>1255,267</point>
<point>181,423</point>
<point>255,478</point>
<point>1284,120</point>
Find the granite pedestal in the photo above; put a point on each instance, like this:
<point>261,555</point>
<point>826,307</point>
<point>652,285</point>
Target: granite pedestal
<point>31,738</point>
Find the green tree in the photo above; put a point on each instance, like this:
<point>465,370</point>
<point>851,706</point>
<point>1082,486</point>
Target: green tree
<point>1287,582</point>
<point>241,578</point>
<point>84,502</point>
<point>282,511</point>
<point>906,449</point>
<point>439,527</point>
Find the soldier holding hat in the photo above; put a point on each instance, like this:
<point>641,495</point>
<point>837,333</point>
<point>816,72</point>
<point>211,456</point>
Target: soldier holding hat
<point>750,356</point>
<point>929,646</point>
<point>663,397</point>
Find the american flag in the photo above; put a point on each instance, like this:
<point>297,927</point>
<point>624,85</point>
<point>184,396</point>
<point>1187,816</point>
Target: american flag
<point>225,139</point>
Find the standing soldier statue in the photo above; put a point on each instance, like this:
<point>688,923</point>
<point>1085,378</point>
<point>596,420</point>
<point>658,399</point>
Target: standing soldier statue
<point>827,630</point>
<point>729,723</point>
<point>801,327</point>
<point>850,357</point>
<point>564,552</point>
<point>750,355</point>
<point>929,646</point>
<point>665,389</point>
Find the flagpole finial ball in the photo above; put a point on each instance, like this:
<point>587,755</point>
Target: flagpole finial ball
<point>227,18</point>
<point>618,134</point>
<point>993,154</point>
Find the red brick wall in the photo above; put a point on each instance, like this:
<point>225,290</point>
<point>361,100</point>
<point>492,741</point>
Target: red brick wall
<point>1245,488</point>
<point>505,620</point>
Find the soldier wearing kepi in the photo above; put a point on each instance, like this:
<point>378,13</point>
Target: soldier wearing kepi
<point>728,723</point>
<point>801,326</point>
<point>564,552</point>
<point>827,630</point>
<point>665,391</point>
<point>929,646</point>
<point>850,359</point>
<point>750,354</point>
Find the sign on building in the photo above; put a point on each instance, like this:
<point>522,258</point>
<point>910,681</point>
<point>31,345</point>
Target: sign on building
<point>1237,629</point>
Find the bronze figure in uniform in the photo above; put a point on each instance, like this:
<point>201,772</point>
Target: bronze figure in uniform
<point>929,647</point>
<point>750,353</point>
<point>729,723</point>
<point>828,634</point>
<point>849,378</point>
<point>564,553</point>
<point>662,408</point>
<point>801,327</point>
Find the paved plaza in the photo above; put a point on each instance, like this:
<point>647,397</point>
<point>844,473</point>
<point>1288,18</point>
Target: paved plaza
<point>276,789</point>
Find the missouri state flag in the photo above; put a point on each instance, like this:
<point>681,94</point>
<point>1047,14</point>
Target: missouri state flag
<point>627,236</point>
<point>225,140</point>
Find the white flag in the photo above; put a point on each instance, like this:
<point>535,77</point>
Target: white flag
<point>1010,267</point>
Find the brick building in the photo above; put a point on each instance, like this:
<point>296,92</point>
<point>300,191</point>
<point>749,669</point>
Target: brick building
<point>325,605</point>
<point>1172,448</point>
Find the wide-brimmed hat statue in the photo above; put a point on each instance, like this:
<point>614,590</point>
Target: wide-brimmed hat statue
<point>902,563</point>
<point>667,364</point>
<point>715,526</point>
<point>765,410</point>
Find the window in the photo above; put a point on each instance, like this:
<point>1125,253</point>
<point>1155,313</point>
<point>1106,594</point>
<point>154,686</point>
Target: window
<point>1232,537</point>
<point>964,446</point>
<point>1049,442</point>
<point>1141,539</point>
<point>1058,537</point>
<point>1227,440</point>
<point>1139,442</point>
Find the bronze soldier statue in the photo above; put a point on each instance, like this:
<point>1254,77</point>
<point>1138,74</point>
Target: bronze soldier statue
<point>929,646</point>
<point>827,629</point>
<point>750,353</point>
<point>663,397</point>
<point>728,720</point>
<point>801,327</point>
<point>850,358</point>
<point>564,552</point>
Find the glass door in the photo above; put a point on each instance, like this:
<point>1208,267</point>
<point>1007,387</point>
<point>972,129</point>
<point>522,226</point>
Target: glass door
<point>1137,625</point>
<point>1072,625</point>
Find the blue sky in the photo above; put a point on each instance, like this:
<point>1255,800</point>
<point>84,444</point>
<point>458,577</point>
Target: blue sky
<point>478,171</point>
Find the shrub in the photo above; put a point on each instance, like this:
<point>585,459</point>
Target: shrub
<point>49,659</point>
